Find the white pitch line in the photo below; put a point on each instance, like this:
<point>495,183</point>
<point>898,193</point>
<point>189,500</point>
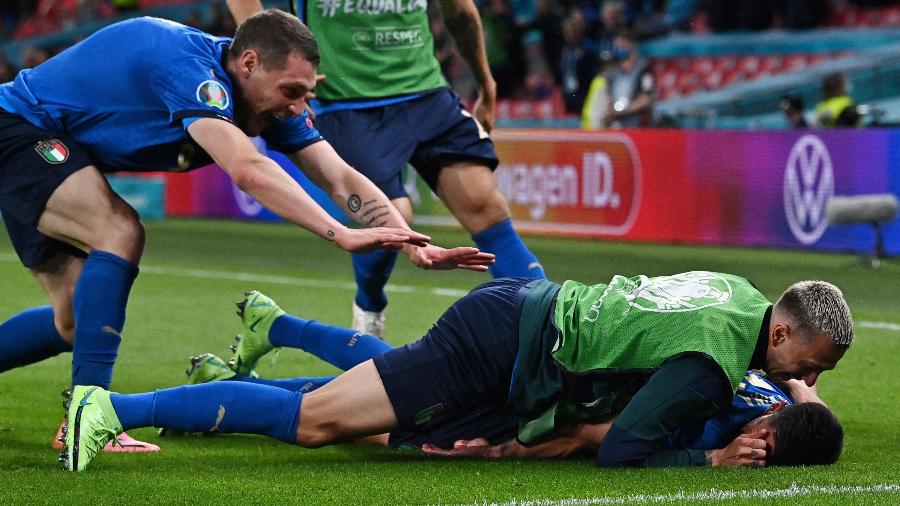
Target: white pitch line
<point>880,325</point>
<point>710,495</point>
<point>287,280</point>
<point>344,285</point>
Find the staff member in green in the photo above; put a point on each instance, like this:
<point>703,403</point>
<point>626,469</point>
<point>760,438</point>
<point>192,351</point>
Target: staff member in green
<point>653,353</point>
<point>384,103</point>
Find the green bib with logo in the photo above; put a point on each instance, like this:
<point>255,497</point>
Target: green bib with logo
<point>373,48</point>
<point>640,322</point>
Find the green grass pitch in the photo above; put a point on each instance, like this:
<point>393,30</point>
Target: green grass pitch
<point>182,304</point>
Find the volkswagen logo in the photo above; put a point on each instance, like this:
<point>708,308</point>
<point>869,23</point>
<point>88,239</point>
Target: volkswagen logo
<point>808,186</point>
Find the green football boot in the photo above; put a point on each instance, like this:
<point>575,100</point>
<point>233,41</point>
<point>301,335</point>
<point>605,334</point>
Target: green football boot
<point>204,369</point>
<point>257,313</point>
<point>90,423</point>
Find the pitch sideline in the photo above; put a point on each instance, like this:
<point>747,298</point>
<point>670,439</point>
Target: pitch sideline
<point>343,285</point>
<point>711,495</point>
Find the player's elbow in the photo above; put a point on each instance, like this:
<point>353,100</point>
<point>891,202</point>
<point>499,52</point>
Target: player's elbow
<point>247,175</point>
<point>622,449</point>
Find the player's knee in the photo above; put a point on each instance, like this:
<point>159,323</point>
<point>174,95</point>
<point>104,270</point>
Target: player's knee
<point>125,236</point>
<point>487,208</point>
<point>66,327</point>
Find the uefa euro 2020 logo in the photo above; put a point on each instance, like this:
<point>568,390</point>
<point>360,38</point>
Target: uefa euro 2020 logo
<point>808,186</point>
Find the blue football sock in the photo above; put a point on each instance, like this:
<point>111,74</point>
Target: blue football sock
<point>514,259</point>
<point>302,385</point>
<point>99,304</point>
<point>221,406</point>
<point>340,347</point>
<point>29,337</point>
<point>372,271</point>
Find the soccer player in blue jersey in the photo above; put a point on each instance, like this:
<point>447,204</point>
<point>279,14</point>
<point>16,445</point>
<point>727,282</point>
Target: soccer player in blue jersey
<point>473,358</point>
<point>384,103</point>
<point>148,94</point>
<point>806,434</point>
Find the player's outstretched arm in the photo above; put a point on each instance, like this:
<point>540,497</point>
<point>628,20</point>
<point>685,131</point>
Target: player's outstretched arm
<point>579,438</point>
<point>464,24</point>
<point>362,201</point>
<point>265,181</point>
<point>243,9</point>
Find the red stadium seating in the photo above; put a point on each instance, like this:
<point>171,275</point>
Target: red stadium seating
<point>682,76</point>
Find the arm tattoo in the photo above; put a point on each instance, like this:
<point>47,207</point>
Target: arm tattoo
<point>354,203</point>
<point>375,214</point>
<point>330,234</point>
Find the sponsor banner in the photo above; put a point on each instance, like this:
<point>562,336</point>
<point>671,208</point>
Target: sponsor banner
<point>703,187</point>
<point>144,193</point>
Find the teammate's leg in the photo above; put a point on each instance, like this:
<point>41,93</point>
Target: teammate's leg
<point>84,211</point>
<point>267,326</point>
<point>470,192</point>
<point>354,405</point>
<point>42,332</point>
<point>372,272</point>
<point>340,347</point>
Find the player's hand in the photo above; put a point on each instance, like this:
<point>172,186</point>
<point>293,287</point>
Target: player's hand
<point>364,240</point>
<point>310,95</point>
<point>477,448</point>
<point>485,106</point>
<point>745,450</point>
<point>438,258</point>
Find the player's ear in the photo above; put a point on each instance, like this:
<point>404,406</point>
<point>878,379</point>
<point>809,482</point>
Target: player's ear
<point>780,334</point>
<point>248,62</point>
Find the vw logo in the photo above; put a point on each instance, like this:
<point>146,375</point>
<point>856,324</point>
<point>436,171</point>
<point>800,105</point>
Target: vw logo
<point>246,203</point>
<point>808,186</point>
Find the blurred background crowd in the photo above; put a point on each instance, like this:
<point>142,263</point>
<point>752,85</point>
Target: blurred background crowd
<point>599,63</point>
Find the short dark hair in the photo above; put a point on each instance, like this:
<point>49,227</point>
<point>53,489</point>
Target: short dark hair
<point>806,434</point>
<point>275,34</point>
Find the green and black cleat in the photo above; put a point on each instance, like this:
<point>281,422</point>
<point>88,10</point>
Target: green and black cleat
<point>257,312</point>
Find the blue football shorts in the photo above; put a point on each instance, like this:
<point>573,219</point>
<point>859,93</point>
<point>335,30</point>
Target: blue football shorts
<point>428,132</point>
<point>33,163</point>
<point>462,367</point>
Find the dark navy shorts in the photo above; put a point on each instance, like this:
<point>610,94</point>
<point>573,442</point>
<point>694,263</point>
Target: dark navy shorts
<point>428,132</point>
<point>33,163</point>
<point>462,367</point>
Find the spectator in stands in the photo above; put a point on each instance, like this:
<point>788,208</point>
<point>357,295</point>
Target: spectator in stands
<point>34,56</point>
<point>221,21</point>
<point>538,77</point>
<point>578,62</point>
<point>503,47</point>
<point>7,69</point>
<point>630,86</point>
<point>836,108</point>
<point>547,22</point>
<point>792,107</point>
<point>612,22</point>
<point>659,17</point>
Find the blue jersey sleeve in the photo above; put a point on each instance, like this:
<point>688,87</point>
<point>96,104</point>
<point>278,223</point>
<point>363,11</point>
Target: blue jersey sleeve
<point>193,88</point>
<point>291,135</point>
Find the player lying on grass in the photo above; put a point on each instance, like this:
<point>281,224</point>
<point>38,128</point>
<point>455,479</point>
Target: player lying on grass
<point>653,353</point>
<point>806,433</point>
<point>148,94</point>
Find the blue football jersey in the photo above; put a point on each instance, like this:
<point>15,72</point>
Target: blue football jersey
<point>128,92</point>
<point>754,396</point>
